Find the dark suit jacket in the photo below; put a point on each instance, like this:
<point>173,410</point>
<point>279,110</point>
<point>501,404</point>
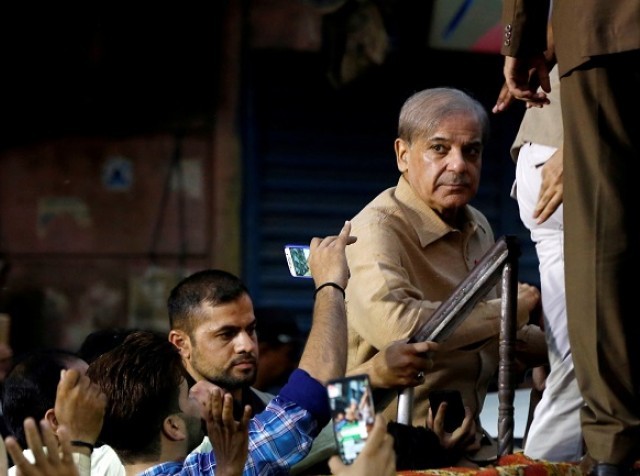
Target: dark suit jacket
<point>581,28</point>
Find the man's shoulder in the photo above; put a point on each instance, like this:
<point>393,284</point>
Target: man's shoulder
<point>386,211</point>
<point>105,462</point>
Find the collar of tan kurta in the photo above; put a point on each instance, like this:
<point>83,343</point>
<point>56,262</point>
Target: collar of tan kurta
<point>425,221</point>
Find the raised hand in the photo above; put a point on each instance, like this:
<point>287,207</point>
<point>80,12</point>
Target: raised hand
<point>53,461</point>
<point>327,259</point>
<point>80,406</point>
<point>462,437</point>
<point>229,438</point>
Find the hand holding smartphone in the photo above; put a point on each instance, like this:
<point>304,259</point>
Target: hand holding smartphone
<point>454,414</point>
<point>352,413</point>
<point>298,260</point>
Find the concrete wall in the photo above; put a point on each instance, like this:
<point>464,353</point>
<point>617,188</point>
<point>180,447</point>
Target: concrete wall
<point>99,229</point>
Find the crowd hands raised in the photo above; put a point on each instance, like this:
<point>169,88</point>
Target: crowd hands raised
<point>79,426</point>
<point>80,409</point>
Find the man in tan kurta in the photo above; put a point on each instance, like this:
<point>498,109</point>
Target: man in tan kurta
<point>417,241</point>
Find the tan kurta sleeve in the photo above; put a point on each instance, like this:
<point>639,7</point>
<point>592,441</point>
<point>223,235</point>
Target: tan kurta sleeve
<point>384,301</point>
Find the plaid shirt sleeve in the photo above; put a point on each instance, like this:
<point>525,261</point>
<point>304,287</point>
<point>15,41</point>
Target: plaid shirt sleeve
<point>279,437</point>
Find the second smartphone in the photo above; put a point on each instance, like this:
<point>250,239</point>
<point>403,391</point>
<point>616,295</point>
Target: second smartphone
<point>352,412</point>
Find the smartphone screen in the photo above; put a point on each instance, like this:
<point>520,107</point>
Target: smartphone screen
<point>352,413</point>
<point>298,260</point>
<point>455,407</point>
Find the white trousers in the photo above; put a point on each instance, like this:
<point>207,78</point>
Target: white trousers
<point>554,434</point>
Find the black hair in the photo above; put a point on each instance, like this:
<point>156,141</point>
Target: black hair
<point>31,386</point>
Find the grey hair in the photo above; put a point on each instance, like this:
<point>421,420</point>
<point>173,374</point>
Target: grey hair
<point>422,112</point>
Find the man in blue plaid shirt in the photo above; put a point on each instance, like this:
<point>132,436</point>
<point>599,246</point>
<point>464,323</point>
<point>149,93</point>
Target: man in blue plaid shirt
<point>279,436</point>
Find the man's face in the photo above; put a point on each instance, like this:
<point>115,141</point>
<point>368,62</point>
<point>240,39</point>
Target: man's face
<point>443,168</point>
<point>223,346</point>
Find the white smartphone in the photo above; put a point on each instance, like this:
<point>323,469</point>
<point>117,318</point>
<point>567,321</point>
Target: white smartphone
<point>298,260</point>
<point>352,414</point>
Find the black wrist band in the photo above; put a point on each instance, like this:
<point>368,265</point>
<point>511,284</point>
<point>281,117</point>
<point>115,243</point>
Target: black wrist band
<point>82,444</point>
<point>333,285</point>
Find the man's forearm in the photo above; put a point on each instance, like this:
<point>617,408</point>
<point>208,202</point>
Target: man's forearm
<point>325,354</point>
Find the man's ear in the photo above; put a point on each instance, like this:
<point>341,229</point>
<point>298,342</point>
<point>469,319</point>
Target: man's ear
<point>182,341</point>
<point>174,428</point>
<point>50,416</point>
<point>402,154</point>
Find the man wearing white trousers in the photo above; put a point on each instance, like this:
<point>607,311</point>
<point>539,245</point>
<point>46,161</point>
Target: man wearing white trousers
<point>554,434</point>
